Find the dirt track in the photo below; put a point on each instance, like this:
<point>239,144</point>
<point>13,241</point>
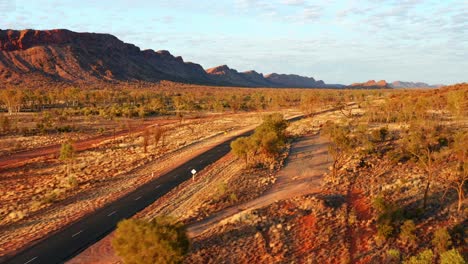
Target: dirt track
<point>305,166</point>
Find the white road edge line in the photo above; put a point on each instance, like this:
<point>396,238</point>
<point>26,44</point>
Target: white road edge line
<point>74,235</point>
<point>112,213</point>
<point>31,260</point>
<point>138,198</point>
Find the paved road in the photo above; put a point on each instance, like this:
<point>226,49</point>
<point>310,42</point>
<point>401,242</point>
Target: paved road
<point>71,240</point>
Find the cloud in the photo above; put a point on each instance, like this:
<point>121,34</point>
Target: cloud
<point>293,2</point>
<point>258,5</point>
<point>7,5</point>
<point>312,13</point>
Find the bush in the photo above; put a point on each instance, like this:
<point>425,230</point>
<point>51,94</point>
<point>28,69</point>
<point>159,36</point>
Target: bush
<point>64,129</point>
<point>425,257</point>
<point>379,204</point>
<point>67,155</point>
<point>379,135</point>
<point>384,230</point>
<point>71,182</point>
<point>5,124</point>
<point>442,240</point>
<point>452,257</point>
<point>265,144</point>
<point>389,216</point>
<point>158,241</point>
<point>393,256</point>
<point>407,235</point>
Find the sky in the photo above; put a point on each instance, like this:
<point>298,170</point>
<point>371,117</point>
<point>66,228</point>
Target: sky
<point>335,41</point>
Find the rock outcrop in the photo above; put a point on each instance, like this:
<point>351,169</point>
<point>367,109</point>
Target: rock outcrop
<point>64,55</point>
<point>81,57</point>
<point>371,84</point>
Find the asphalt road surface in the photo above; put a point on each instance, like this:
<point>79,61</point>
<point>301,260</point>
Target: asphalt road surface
<point>71,240</point>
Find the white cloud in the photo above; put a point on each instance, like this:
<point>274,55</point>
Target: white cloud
<point>293,2</point>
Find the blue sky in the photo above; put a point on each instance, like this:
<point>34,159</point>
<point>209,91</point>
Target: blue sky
<point>336,41</point>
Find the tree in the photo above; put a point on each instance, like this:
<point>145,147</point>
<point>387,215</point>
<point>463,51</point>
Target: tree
<point>345,109</point>
<point>158,241</point>
<point>457,175</point>
<point>265,144</point>
<point>457,102</point>
<point>67,155</point>
<point>158,133</point>
<point>12,98</point>
<point>424,143</point>
<point>240,147</point>
<point>340,144</point>
<point>146,136</point>
<point>309,104</point>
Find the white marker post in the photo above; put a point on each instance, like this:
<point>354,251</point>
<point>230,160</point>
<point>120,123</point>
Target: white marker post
<point>193,174</point>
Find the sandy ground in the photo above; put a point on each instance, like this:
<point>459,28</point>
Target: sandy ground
<point>52,150</point>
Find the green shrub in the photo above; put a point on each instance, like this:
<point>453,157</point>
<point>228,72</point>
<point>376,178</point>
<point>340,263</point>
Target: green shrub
<point>425,257</point>
<point>407,235</point>
<point>389,216</point>
<point>233,197</point>
<point>384,230</point>
<point>67,155</point>
<point>158,241</point>
<point>393,256</point>
<point>72,182</point>
<point>265,144</point>
<point>442,240</point>
<point>379,204</point>
<point>452,257</point>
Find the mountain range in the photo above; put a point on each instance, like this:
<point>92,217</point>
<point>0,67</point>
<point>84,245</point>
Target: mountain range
<point>63,55</point>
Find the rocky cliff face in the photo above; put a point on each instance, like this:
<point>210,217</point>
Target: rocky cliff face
<point>64,55</point>
<point>223,75</point>
<point>70,56</point>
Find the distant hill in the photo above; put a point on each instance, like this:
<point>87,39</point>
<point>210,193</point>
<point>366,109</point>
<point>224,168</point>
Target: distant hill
<point>371,84</point>
<point>293,80</point>
<point>401,84</point>
<point>382,84</point>
<point>64,55</point>
<point>227,76</point>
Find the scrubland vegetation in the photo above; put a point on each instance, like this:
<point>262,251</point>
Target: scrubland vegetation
<point>407,153</point>
<point>395,193</point>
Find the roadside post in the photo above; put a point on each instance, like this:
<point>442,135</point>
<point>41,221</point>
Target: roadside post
<point>193,171</point>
